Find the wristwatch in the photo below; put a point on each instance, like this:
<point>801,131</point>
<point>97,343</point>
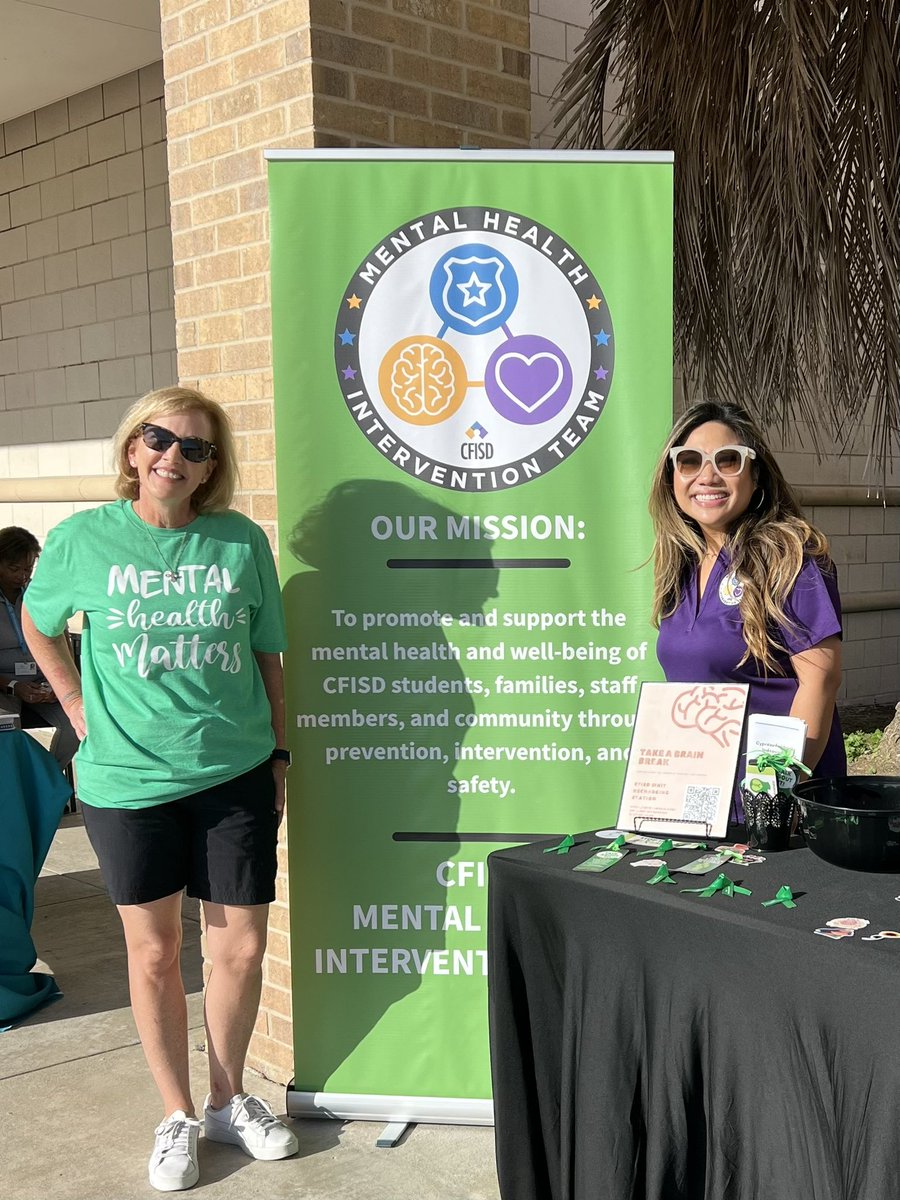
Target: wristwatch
<point>279,755</point>
<point>11,687</point>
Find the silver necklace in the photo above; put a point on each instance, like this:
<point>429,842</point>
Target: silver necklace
<point>173,575</point>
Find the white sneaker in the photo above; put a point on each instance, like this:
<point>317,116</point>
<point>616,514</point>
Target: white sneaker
<point>173,1163</point>
<point>249,1122</point>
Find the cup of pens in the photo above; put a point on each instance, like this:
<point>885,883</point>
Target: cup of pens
<point>767,793</point>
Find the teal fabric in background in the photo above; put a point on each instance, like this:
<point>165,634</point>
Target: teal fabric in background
<point>34,796</point>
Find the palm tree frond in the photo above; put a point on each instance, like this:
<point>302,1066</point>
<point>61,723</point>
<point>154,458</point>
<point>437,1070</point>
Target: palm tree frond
<point>784,116</point>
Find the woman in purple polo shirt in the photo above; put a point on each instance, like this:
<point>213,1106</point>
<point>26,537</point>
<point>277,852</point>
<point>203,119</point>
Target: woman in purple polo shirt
<point>745,589</point>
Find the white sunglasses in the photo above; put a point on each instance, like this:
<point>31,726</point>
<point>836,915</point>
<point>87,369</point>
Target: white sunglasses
<point>728,461</point>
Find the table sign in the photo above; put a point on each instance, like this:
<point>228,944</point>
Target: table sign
<point>683,758</point>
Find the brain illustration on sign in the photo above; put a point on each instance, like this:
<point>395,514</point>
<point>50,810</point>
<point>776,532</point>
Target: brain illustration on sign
<point>422,380</point>
<point>718,712</point>
<point>474,349</point>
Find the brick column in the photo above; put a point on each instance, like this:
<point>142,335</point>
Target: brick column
<point>243,76</point>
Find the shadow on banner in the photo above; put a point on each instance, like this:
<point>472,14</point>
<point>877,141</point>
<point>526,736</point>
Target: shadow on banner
<point>378,700</point>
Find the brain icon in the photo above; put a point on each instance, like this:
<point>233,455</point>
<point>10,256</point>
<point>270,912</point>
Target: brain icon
<point>422,380</point>
<point>716,711</point>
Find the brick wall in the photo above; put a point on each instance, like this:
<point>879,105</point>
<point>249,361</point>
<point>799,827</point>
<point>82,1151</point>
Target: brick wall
<point>865,544</point>
<point>86,318</point>
<point>420,73</point>
<point>92,456</point>
<point>557,29</point>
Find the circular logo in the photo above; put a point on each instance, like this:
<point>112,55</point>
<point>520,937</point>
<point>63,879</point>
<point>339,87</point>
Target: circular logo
<point>474,349</point>
<point>730,590</point>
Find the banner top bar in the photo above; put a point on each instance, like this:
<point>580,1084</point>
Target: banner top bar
<point>476,155</point>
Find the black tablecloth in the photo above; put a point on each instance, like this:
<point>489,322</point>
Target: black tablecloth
<point>651,1044</point>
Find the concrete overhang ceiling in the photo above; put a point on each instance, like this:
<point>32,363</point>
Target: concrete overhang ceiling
<point>57,48</point>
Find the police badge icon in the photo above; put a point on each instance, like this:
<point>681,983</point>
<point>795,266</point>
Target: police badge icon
<point>474,348</point>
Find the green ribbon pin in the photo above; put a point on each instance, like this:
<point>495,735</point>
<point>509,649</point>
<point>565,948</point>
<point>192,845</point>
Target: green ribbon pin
<point>662,876</point>
<point>780,760</point>
<point>721,884</point>
<point>564,846</point>
<point>784,896</point>
<point>664,849</point>
<point>619,843</point>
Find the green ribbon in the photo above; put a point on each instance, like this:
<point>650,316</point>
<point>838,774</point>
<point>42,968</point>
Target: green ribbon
<point>664,849</point>
<point>721,884</point>
<point>564,846</point>
<point>618,844</point>
<point>662,876</point>
<point>734,856</point>
<point>784,896</point>
<point>779,760</point>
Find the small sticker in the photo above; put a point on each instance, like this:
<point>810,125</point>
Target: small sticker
<point>646,862</point>
<point>834,934</point>
<point>731,590</point>
<point>885,934</point>
<point>847,923</point>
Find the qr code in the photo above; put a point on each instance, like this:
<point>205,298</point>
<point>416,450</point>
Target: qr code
<point>700,803</point>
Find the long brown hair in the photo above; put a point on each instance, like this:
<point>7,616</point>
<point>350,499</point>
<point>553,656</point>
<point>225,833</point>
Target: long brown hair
<point>767,543</point>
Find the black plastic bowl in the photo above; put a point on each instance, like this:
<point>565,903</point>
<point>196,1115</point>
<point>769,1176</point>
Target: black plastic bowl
<point>853,822</point>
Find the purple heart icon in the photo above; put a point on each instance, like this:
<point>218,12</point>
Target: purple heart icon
<point>528,379</point>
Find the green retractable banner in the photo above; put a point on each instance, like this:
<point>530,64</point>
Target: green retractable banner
<point>473,374</point>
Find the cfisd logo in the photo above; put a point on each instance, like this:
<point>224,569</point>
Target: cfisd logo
<point>467,320</point>
<point>478,447</point>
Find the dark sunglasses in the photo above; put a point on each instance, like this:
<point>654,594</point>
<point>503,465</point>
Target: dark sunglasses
<point>194,449</point>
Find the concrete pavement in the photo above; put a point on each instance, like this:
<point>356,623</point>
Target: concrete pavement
<point>78,1108</point>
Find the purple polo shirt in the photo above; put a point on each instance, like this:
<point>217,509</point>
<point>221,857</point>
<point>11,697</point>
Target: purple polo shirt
<point>704,643</point>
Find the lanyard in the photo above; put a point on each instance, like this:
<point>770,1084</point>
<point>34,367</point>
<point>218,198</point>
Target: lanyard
<point>16,625</point>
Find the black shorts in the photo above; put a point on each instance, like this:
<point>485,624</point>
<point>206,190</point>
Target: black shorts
<point>219,844</point>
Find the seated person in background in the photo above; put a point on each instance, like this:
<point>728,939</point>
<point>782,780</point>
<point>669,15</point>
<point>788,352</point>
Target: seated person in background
<point>23,689</point>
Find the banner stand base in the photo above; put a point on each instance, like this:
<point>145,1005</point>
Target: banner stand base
<point>389,1110</point>
<point>391,1135</point>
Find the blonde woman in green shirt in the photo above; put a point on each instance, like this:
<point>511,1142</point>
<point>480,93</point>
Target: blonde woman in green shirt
<point>181,766</point>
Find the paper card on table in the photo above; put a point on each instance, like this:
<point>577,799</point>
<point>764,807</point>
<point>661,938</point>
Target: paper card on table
<point>635,839</point>
<point>601,861</point>
<point>683,758</point>
<point>706,862</point>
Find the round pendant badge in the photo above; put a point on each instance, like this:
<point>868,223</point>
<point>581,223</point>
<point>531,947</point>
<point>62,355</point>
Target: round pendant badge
<point>730,591</point>
<point>474,348</point>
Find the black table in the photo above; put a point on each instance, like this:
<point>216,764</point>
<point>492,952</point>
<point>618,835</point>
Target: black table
<point>651,1045</point>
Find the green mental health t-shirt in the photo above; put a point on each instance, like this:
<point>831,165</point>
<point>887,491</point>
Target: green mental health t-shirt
<point>174,700</point>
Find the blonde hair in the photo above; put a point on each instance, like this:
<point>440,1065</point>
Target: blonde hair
<point>767,543</point>
<point>218,491</point>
